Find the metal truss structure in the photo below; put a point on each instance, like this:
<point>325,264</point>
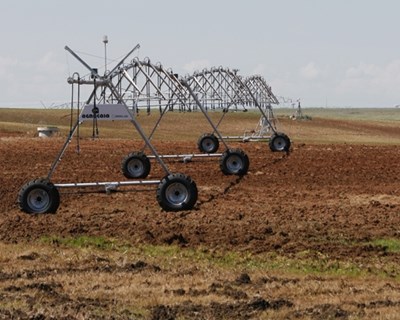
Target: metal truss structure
<point>220,88</point>
<point>131,87</point>
<point>217,88</point>
<point>264,96</point>
<point>146,86</point>
<point>107,101</point>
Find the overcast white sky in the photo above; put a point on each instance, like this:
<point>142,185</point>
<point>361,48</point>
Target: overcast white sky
<point>336,53</point>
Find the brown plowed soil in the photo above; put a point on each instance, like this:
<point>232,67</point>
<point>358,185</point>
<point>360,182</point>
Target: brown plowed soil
<point>327,200</point>
<point>316,197</point>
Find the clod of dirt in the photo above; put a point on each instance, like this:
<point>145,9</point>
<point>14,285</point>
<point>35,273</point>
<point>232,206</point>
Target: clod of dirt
<point>283,234</point>
<point>38,317</point>
<point>325,312</point>
<point>196,293</point>
<point>162,312</point>
<point>259,304</point>
<point>215,286</point>
<point>179,292</point>
<point>268,230</point>
<point>45,287</point>
<point>244,278</point>
<point>278,304</point>
<point>12,289</point>
<point>138,265</point>
<point>176,238</point>
<point>29,256</point>
<point>227,290</point>
<point>149,235</point>
<point>14,314</point>
<point>240,216</point>
<point>379,303</point>
<point>375,203</point>
<point>236,294</point>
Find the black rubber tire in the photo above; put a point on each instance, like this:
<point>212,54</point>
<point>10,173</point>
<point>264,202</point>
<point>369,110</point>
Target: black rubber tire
<point>136,165</point>
<point>177,192</point>
<point>279,142</point>
<point>208,143</point>
<point>234,162</point>
<point>39,196</point>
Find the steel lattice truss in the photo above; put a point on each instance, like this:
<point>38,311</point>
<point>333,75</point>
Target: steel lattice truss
<point>145,86</point>
<point>119,94</point>
<point>142,85</point>
<point>218,88</point>
<point>265,98</point>
<point>261,90</point>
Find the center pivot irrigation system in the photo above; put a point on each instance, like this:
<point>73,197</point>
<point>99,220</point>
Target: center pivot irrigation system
<point>175,191</point>
<point>220,88</point>
<point>144,85</point>
<point>129,87</point>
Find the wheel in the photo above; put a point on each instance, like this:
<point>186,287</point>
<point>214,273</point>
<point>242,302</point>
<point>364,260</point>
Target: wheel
<point>234,161</point>
<point>208,143</point>
<point>39,196</point>
<point>279,142</point>
<point>136,165</point>
<point>177,192</point>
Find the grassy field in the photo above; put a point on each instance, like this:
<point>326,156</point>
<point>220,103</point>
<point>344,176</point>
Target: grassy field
<point>135,280</point>
<point>26,121</point>
<point>357,114</point>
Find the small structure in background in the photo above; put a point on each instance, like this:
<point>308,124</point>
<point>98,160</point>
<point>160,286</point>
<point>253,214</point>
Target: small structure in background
<point>298,114</point>
<point>47,132</point>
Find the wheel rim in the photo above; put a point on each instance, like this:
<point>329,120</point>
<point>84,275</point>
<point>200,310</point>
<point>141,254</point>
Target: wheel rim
<point>208,145</point>
<point>176,193</point>
<point>135,167</point>
<point>38,200</point>
<point>234,163</point>
<point>279,143</point>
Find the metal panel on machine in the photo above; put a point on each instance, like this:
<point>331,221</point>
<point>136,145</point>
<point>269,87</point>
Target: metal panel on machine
<point>105,112</point>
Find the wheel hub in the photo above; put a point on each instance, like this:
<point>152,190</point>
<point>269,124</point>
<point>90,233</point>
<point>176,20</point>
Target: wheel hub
<point>234,163</point>
<point>135,167</point>
<point>38,199</point>
<point>176,193</point>
<point>279,144</point>
<point>208,145</point>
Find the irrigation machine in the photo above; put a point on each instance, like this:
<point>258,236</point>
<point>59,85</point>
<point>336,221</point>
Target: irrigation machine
<point>119,94</point>
<point>224,89</point>
<point>144,85</point>
<point>175,191</point>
